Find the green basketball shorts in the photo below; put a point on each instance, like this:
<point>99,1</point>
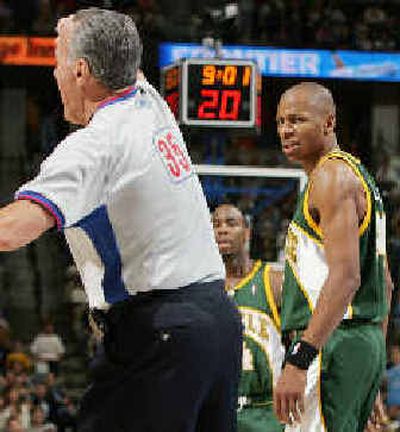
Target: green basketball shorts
<point>258,419</point>
<point>343,381</point>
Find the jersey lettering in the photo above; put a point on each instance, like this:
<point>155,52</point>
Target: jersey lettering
<point>171,150</point>
<point>247,359</point>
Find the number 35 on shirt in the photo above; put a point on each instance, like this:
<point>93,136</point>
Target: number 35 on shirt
<point>172,151</point>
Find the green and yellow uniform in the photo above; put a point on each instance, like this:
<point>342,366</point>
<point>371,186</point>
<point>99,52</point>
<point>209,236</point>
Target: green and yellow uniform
<point>262,351</point>
<point>344,379</point>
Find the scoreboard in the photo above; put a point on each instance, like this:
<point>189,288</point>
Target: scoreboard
<point>213,92</point>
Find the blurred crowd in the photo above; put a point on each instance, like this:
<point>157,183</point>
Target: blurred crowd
<point>326,24</point>
<point>31,397</point>
<point>331,24</point>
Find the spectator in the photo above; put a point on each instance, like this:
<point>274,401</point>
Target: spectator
<point>5,344</point>
<point>17,360</point>
<point>393,383</point>
<point>39,423</point>
<point>41,398</point>
<point>14,425</point>
<point>17,406</point>
<point>4,413</point>
<point>48,349</point>
<point>64,411</point>
<point>77,303</point>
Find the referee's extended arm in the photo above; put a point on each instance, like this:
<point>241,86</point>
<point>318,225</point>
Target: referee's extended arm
<point>22,222</point>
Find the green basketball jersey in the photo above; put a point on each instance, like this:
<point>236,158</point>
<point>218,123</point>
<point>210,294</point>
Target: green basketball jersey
<point>305,264</point>
<point>262,348</point>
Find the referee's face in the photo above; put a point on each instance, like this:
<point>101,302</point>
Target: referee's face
<point>67,75</point>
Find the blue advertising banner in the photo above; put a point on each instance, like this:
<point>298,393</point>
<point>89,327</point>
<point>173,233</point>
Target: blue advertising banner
<point>354,65</point>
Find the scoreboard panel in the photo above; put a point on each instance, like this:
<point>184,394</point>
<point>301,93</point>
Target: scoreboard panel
<point>213,92</point>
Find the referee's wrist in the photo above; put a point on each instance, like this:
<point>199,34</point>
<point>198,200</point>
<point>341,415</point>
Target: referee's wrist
<point>301,354</point>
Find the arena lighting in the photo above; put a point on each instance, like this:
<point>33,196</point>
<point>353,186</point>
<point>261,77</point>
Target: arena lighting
<point>227,12</point>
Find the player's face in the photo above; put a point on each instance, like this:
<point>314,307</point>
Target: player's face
<point>65,74</point>
<point>230,230</point>
<point>300,127</point>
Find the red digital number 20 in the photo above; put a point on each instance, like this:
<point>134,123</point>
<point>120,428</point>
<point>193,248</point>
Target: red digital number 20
<point>216,107</point>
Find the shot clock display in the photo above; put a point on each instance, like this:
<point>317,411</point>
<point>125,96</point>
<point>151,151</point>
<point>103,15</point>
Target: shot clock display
<point>213,92</point>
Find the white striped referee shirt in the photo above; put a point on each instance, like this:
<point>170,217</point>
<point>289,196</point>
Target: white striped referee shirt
<point>132,209</point>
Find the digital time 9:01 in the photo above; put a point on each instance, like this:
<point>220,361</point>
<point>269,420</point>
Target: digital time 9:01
<point>227,75</point>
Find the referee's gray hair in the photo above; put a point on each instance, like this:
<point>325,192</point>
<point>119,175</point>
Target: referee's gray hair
<point>110,43</point>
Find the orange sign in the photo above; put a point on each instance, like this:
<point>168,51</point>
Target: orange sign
<point>27,51</point>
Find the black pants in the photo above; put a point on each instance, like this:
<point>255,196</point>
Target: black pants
<point>170,362</point>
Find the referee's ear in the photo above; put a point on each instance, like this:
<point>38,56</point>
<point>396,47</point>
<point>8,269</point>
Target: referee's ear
<point>82,71</point>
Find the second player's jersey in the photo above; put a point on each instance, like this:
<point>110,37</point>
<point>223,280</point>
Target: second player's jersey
<point>262,348</point>
<point>306,268</point>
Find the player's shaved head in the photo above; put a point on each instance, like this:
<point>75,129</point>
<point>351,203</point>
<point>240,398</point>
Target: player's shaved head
<point>306,122</point>
<point>315,95</point>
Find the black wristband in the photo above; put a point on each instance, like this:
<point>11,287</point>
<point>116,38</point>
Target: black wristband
<point>301,355</point>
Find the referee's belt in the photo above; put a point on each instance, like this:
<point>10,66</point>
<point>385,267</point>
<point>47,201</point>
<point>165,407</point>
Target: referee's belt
<point>98,317</point>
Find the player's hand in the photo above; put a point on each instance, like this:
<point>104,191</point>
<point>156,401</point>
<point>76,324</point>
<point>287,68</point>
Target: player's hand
<point>289,394</point>
<point>378,418</point>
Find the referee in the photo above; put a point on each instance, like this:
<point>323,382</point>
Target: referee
<point>123,190</point>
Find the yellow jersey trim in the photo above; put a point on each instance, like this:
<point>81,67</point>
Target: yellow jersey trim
<point>270,297</point>
<point>307,234</point>
<point>350,160</point>
<point>250,276</point>
<point>302,289</point>
<point>306,212</point>
<point>350,312</point>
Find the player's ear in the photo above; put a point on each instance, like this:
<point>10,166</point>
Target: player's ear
<point>247,235</point>
<point>330,124</point>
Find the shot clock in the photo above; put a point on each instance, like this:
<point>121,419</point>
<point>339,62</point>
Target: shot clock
<point>213,92</point>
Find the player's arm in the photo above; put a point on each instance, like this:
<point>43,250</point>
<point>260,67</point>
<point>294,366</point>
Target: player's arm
<point>334,194</point>
<point>22,222</point>
<point>276,281</point>
<point>389,291</point>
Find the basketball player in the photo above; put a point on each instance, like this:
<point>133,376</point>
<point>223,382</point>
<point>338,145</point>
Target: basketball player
<point>337,286</point>
<point>123,190</point>
<point>256,288</point>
